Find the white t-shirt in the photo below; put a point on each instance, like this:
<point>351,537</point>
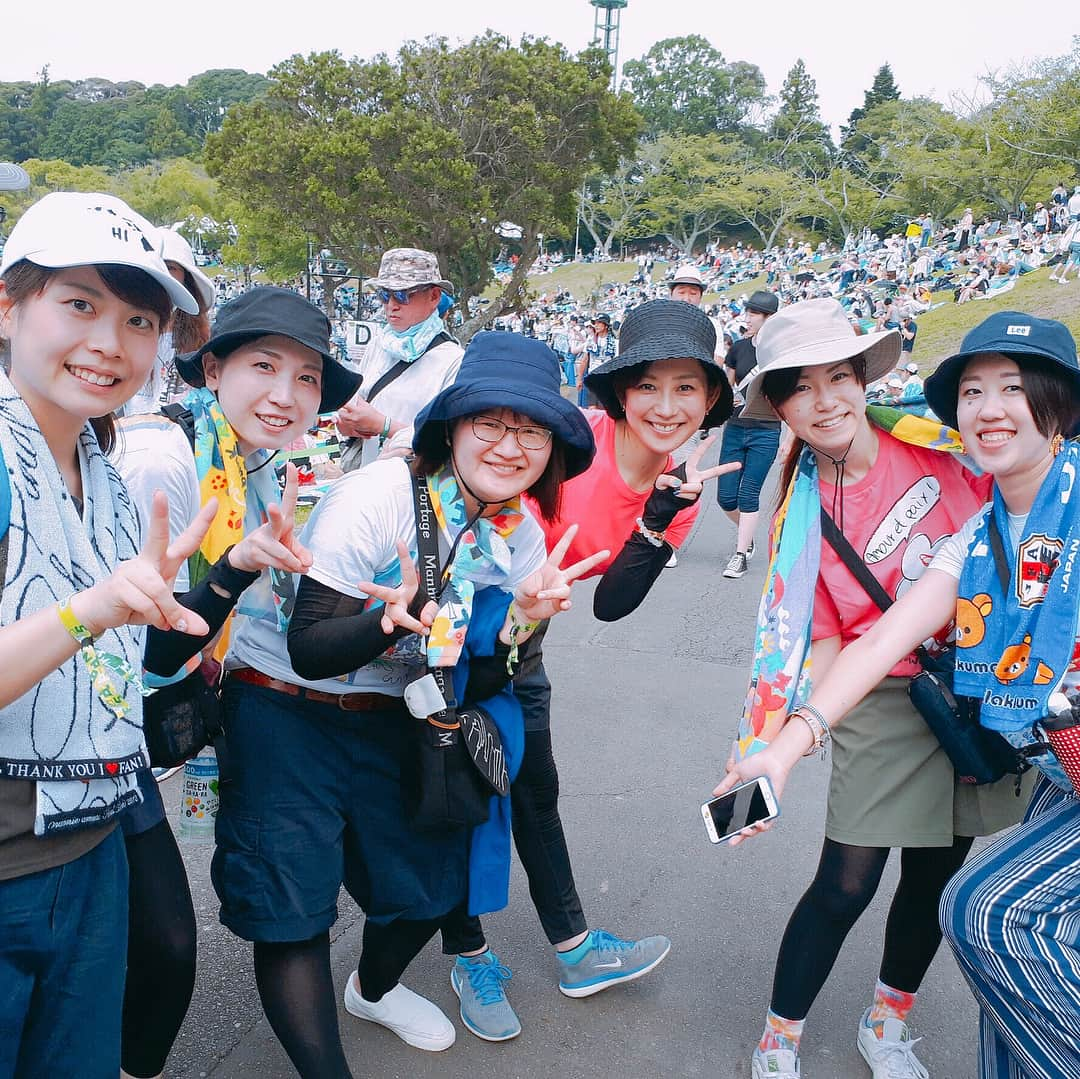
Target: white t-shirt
<point>352,535</point>
<point>403,398</point>
<point>153,454</point>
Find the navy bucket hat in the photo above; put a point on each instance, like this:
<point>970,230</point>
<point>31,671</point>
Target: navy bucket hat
<point>267,310</point>
<point>1009,333</point>
<point>506,370</point>
<point>663,330</point>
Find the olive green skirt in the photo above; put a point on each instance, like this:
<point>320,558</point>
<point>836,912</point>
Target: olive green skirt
<point>893,786</point>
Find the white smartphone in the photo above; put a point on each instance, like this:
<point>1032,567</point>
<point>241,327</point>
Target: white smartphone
<point>748,803</point>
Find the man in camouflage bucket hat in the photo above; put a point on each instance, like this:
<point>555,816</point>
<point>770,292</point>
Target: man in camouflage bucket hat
<point>407,267</point>
<point>411,360</point>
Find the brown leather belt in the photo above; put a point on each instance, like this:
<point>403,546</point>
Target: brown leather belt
<point>347,702</point>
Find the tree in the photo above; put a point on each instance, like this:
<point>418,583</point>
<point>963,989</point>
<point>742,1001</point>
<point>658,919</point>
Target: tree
<point>797,136</point>
<point>611,204</point>
<point>683,85</point>
<point>683,176</point>
<point>434,149</point>
<point>765,198</point>
<point>882,89</point>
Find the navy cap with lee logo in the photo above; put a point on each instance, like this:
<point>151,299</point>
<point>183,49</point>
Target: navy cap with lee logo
<point>1008,333</point>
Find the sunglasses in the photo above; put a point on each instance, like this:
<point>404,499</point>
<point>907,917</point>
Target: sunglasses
<point>401,295</point>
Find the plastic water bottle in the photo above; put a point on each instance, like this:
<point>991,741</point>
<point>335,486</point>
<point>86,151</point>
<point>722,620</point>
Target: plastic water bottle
<point>199,798</point>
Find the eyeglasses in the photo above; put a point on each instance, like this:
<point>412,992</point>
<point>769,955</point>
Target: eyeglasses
<point>401,295</point>
<point>489,429</point>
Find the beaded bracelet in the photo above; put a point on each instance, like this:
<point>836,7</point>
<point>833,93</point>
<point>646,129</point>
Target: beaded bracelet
<point>655,538</point>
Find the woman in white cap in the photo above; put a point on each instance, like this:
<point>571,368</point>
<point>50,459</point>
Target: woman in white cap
<point>186,333</point>
<point>1010,913</point>
<point>84,295</point>
<point>871,486</point>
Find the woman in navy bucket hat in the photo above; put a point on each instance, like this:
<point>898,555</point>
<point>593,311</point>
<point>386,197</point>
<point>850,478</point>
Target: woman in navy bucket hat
<point>660,389</point>
<point>317,793</point>
<point>1011,913</point>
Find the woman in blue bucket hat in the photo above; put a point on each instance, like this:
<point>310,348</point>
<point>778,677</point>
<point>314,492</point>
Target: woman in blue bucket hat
<point>323,788</point>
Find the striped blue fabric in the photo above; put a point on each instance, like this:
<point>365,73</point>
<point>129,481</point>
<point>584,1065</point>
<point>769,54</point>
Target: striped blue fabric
<point>1012,917</point>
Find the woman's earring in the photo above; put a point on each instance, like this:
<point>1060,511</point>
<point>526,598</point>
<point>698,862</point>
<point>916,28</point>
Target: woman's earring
<point>1056,443</point>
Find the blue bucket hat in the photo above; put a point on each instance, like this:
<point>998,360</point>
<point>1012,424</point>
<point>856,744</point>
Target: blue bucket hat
<point>1010,333</point>
<point>506,370</point>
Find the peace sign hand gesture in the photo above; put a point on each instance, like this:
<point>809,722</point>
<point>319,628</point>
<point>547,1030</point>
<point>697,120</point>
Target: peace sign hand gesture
<point>274,544</point>
<point>546,592</point>
<point>140,591</point>
<point>397,601</point>
<point>695,476</point>
<point>674,491</point>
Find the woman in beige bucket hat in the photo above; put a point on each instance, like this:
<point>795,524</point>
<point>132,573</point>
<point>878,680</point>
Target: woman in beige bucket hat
<point>894,497</point>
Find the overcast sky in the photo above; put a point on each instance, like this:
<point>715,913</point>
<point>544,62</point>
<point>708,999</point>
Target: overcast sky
<point>937,50</point>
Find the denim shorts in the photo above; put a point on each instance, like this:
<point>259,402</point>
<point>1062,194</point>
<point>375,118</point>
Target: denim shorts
<point>311,798</point>
<point>63,956</point>
<point>755,449</point>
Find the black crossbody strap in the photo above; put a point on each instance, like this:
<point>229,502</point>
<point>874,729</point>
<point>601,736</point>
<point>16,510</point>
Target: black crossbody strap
<point>846,553</point>
<point>1000,561</point>
<point>402,366</point>
<point>427,551</point>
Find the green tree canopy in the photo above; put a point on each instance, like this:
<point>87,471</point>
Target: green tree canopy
<point>435,148</point>
<point>683,85</point>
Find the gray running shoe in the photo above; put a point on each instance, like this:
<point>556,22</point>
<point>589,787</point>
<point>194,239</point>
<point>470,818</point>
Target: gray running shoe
<point>736,566</point>
<point>611,961</point>
<point>478,982</point>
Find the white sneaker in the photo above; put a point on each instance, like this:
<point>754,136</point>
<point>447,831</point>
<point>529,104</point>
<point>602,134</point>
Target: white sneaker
<point>892,1056</point>
<point>774,1064</point>
<point>672,562</point>
<point>415,1020</point>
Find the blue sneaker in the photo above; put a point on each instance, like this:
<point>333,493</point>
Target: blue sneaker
<point>478,982</point>
<point>610,961</point>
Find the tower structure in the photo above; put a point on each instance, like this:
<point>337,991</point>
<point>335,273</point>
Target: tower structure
<point>606,32</point>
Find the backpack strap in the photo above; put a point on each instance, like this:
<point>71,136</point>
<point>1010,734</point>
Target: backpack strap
<point>5,518</point>
<point>402,366</point>
<point>182,415</point>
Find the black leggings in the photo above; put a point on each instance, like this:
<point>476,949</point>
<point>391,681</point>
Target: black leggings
<point>846,880</point>
<point>161,950</point>
<point>297,989</point>
<point>541,846</point>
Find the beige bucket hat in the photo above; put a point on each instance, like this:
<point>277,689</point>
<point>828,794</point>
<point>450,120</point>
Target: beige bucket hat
<point>811,333</point>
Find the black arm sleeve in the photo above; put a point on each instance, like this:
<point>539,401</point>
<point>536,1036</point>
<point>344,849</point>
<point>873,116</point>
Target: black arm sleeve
<point>167,651</point>
<point>331,634</point>
<point>629,577</point>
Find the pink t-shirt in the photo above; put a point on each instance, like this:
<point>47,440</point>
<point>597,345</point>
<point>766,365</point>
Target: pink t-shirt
<point>601,504</point>
<point>896,517</point>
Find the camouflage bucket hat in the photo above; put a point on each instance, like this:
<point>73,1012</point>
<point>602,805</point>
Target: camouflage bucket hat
<point>407,267</point>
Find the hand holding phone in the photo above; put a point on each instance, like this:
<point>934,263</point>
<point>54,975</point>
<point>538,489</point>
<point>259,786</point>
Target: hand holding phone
<point>749,803</point>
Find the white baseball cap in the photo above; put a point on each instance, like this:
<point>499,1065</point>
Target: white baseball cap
<point>68,228</point>
<point>175,248</point>
<point>688,275</point>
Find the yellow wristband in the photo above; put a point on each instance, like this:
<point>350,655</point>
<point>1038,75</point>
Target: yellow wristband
<point>71,623</point>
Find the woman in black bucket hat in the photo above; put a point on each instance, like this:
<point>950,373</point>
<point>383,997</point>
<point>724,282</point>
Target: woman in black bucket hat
<point>662,387</point>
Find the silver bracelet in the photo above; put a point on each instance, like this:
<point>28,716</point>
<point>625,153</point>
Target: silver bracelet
<point>819,729</point>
